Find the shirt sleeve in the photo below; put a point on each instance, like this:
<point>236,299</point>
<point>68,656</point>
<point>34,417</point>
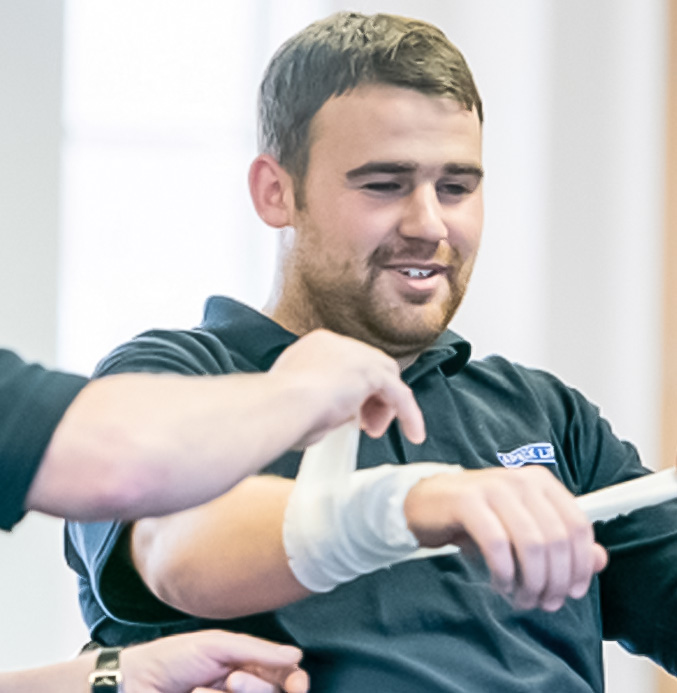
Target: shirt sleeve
<point>111,592</point>
<point>638,589</point>
<point>32,402</point>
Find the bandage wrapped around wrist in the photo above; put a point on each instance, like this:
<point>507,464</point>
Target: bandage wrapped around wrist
<point>340,523</point>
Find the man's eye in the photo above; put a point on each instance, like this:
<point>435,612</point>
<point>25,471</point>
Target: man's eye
<point>455,189</point>
<point>382,186</point>
<point>459,186</point>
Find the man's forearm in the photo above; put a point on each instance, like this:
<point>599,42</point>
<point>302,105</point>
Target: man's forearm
<point>224,559</point>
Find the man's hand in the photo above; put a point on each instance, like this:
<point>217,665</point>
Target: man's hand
<point>537,543</point>
<point>346,379</point>
<point>212,661</point>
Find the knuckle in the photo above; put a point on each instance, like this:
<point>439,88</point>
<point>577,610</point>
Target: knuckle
<point>537,472</point>
<point>581,530</point>
<point>534,549</point>
<point>560,543</point>
<point>497,547</point>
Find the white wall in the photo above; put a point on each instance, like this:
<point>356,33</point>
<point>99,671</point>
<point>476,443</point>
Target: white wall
<point>36,589</point>
<point>568,276</point>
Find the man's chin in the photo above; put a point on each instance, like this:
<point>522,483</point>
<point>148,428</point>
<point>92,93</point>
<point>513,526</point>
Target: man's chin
<point>407,337</point>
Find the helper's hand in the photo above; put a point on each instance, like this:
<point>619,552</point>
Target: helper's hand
<point>347,379</point>
<point>212,661</point>
<point>537,543</point>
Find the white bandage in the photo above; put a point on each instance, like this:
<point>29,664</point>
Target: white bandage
<point>341,523</point>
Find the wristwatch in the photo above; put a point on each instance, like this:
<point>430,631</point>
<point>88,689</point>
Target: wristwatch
<point>107,677</point>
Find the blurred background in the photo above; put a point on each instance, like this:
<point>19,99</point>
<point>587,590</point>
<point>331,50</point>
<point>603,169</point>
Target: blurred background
<point>126,131</point>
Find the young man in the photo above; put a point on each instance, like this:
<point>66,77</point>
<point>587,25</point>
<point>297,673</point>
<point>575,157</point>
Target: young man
<point>138,444</point>
<point>371,166</point>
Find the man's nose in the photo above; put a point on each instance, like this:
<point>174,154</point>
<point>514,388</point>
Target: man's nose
<point>422,217</point>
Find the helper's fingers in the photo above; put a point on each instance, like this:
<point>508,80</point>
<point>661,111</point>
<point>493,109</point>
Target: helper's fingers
<point>254,679</point>
<point>393,400</point>
<point>236,649</point>
<point>297,682</point>
<point>245,682</point>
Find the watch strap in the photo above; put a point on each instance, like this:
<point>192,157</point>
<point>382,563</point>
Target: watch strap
<point>107,677</point>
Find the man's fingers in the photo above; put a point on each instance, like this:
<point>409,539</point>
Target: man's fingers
<point>537,544</point>
<point>487,531</point>
<point>566,553</point>
<point>583,565</point>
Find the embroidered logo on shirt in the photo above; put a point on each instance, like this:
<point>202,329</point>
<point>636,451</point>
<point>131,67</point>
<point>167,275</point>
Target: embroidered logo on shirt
<point>534,453</point>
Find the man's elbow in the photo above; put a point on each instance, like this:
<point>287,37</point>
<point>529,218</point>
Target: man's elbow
<point>174,573</point>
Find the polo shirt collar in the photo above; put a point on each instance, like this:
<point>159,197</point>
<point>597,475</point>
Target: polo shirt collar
<point>246,331</point>
<point>449,352</point>
<point>262,340</point>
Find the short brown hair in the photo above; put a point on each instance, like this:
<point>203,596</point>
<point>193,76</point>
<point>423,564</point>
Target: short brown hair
<point>336,54</point>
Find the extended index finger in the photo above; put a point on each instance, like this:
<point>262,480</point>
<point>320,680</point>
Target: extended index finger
<point>394,400</point>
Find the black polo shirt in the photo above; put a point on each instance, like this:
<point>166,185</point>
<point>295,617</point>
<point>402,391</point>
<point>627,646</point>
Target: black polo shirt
<point>32,402</point>
<point>433,625</point>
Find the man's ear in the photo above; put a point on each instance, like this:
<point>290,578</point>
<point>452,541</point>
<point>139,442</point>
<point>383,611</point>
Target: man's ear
<point>272,191</point>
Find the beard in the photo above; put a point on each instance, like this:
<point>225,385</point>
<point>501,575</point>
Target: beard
<point>362,310</point>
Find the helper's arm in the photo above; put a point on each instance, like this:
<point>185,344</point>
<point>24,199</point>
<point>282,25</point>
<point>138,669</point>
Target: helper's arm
<point>139,444</point>
<point>192,661</point>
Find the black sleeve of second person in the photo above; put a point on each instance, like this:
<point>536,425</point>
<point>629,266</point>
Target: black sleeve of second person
<point>32,402</point>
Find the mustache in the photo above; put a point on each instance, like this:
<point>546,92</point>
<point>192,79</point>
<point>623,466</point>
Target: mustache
<point>416,250</point>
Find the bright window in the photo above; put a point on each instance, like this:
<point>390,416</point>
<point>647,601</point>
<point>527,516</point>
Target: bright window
<point>159,119</point>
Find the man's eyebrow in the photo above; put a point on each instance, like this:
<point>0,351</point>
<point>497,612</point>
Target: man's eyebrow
<point>372,167</point>
<point>400,167</point>
<point>464,170</point>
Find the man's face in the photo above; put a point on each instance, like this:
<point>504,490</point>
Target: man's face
<point>385,243</point>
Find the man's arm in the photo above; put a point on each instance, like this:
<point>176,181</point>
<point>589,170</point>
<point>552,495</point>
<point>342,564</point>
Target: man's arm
<point>227,559</point>
<point>134,445</point>
<point>224,559</point>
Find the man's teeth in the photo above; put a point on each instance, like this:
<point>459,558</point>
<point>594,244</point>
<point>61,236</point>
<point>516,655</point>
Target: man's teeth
<point>416,273</point>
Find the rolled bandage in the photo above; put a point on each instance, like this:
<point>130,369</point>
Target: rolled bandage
<point>623,498</point>
<point>341,523</point>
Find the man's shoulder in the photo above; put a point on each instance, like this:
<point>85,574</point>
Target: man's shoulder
<point>187,352</point>
<point>232,338</point>
<point>512,372</point>
<point>497,379</point>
